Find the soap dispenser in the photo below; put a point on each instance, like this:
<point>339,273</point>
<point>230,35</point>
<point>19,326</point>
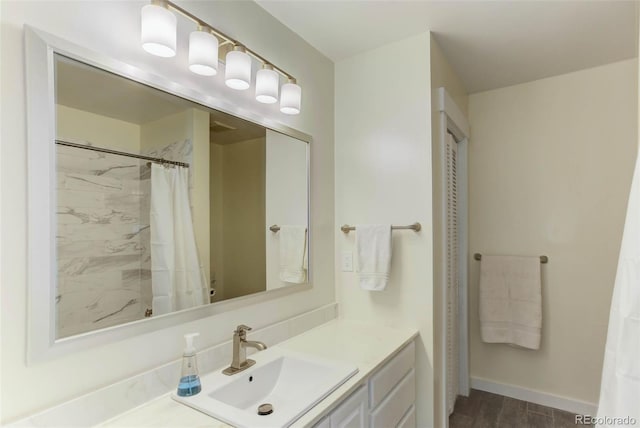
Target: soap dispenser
<point>189,380</point>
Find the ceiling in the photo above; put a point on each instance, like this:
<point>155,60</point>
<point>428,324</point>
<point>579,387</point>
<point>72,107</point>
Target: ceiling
<point>490,44</point>
<point>228,129</point>
<point>87,88</point>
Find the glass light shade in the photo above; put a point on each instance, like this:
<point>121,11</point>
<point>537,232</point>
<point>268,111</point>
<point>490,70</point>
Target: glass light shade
<point>158,35</point>
<point>203,53</point>
<point>237,71</point>
<point>290,98</point>
<point>267,82</point>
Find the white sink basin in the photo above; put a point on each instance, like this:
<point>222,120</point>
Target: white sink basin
<point>290,381</point>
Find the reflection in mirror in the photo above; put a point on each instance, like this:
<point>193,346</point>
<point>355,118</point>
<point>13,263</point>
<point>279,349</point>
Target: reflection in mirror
<point>165,205</point>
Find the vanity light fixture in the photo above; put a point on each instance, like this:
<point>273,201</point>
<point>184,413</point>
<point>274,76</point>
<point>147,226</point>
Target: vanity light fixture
<point>267,81</point>
<point>158,37</point>
<point>159,28</point>
<point>203,52</point>
<point>237,70</point>
<point>290,97</point>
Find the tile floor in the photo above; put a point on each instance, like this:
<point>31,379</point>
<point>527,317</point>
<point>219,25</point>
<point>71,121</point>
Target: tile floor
<point>486,410</point>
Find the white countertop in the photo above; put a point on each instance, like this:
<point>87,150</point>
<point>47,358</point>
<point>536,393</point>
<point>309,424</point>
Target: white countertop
<point>365,345</point>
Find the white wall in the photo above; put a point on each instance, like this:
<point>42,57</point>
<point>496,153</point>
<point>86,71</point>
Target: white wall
<point>383,175</point>
<point>286,195</point>
<point>550,166</point>
<point>91,24</point>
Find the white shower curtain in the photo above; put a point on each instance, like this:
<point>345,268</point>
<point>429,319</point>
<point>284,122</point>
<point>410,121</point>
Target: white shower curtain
<point>620,386</point>
<point>176,276</point>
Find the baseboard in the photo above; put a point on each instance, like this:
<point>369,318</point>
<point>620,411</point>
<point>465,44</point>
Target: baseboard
<point>538,397</point>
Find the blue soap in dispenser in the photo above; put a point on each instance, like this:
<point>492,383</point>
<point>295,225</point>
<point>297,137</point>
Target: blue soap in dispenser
<point>189,380</point>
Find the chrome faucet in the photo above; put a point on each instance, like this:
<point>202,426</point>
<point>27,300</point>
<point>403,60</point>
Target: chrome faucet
<point>239,361</point>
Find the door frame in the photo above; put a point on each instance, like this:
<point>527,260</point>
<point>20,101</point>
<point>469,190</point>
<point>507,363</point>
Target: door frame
<point>453,120</point>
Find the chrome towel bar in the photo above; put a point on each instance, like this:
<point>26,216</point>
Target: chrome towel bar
<point>543,259</point>
<point>274,228</point>
<point>416,227</point>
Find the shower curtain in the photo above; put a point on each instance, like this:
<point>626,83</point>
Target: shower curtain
<point>177,279</point>
<point>620,386</point>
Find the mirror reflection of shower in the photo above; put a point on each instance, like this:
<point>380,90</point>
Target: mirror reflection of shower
<point>114,265</point>
<point>104,233</point>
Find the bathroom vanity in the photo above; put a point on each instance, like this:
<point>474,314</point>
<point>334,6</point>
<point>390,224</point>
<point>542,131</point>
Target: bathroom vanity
<point>381,394</point>
<point>386,399</point>
<point>72,252</point>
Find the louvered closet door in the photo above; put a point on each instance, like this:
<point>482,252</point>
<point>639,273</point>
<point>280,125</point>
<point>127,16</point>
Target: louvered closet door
<point>452,272</point>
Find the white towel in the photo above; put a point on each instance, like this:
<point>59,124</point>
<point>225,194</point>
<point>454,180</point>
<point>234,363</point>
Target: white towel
<point>511,300</point>
<point>373,254</point>
<point>293,254</point>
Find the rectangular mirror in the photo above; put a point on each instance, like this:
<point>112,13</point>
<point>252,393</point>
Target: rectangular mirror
<point>163,204</point>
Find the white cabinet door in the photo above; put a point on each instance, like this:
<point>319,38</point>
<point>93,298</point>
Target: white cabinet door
<point>324,423</point>
<point>353,412</point>
<point>390,412</point>
<point>385,379</point>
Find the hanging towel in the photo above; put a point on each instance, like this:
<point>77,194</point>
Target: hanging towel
<point>511,300</point>
<point>373,254</point>
<point>293,254</point>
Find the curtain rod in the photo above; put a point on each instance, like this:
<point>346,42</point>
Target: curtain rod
<point>117,152</point>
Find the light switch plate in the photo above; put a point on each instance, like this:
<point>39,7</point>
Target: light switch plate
<point>347,261</point>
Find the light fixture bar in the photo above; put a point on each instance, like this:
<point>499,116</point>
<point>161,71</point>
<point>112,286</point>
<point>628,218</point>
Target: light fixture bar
<point>225,39</point>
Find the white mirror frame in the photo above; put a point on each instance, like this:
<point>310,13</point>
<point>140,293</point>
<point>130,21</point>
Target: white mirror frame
<point>40,48</point>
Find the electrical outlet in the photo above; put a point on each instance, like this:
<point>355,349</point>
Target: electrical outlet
<point>347,261</point>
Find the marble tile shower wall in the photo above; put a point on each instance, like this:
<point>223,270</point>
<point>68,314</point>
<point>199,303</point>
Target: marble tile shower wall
<point>103,235</point>
<point>101,240</point>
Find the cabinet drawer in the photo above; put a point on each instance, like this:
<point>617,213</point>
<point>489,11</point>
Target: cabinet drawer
<point>390,412</point>
<point>389,376</point>
<point>409,419</point>
<point>352,412</point>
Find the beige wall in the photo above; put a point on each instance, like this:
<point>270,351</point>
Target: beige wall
<point>200,186</point>
<point>91,25</point>
<point>383,175</point>
<point>160,133</point>
<point>216,221</point>
<point>81,126</point>
<point>442,75</point>
<point>243,229</point>
<point>550,165</point>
